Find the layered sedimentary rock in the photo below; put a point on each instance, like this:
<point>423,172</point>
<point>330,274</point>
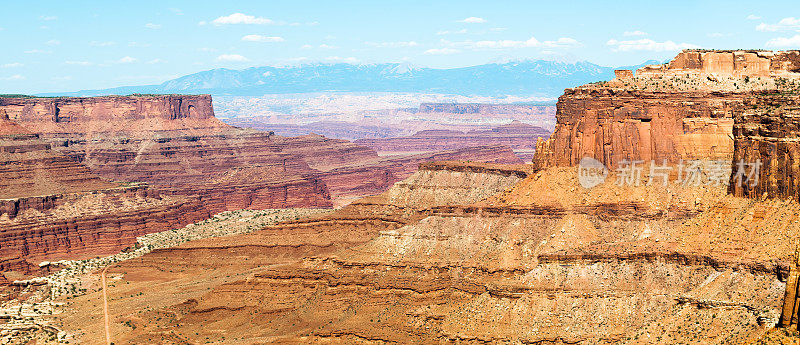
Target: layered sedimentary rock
<point>28,167</point>
<point>519,136</point>
<point>681,110</point>
<point>612,125</point>
<point>474,253</point>
<point>736,64</point>
<point>128,114</point>
<point>53,207</point>
<point>177,145</point>
<point>765,134</point>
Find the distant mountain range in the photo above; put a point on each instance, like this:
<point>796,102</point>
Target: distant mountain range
<point>522,78</point>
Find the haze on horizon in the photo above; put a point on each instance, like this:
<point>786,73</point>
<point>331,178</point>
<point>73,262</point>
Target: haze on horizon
<point>56,46</point>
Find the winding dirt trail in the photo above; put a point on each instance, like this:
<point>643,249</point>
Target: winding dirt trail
<point>105,307</point>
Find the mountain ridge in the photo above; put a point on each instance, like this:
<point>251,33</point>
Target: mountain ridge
<point>526,77</point>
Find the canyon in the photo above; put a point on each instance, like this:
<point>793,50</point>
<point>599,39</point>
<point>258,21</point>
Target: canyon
<point>86,176</point>
<point>460,251</point>
<point>519,136</point>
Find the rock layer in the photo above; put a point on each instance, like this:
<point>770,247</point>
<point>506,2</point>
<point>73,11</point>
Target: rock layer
<point>517,135</point>
<point>614,125</point>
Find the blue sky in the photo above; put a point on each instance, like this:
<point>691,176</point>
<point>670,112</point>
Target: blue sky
<point>71,45</point>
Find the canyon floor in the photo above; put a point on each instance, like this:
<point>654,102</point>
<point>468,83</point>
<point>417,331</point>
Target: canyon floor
<point>457,253</point>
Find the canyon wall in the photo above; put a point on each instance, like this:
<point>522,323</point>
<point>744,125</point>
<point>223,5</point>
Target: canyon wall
<point>474,253</point>
<point>737,64</point>
<point>766,133</point>
<point>53,207</point>
<point>177,145</point>
<point>518,136</point>
<point>81,115</point>
<point>613,125</point>
<point>684,109</point>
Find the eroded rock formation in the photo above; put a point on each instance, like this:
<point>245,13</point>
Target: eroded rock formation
<point>53,207</point>
<point>519,136</point>
<point>475,253</point>
<point>681,110</point>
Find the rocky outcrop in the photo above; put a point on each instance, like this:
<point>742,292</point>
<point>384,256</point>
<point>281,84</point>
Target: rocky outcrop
<point>684,109</point>
<point>91,224</point>
<point>502,268</point>
<point>519,136</point>
<point>175,144</point>
<point>77,115</point>
<point>730,63</point>
<point>53,207</point>
<point>612,125</point>
<point>28,167</point>
<point>765,134</point>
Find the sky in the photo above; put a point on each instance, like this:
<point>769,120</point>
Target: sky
<point>57,46</point>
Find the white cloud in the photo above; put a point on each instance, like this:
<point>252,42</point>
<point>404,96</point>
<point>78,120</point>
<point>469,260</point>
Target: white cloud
<point>753,17</point>
<point>53,42</point>
<point>449,32</point>
<point>232,58</point>
<point>127,59</point>
<point>152,26</point>
<point>102,44</point>
<point>401,44</point>
<point>14,77</point>
<point>241,18</point>
<point>138,45</point>
<point>473,20</point>
<point>78,63</point>
<point>648,45</point>
<point>341,59</point>
<point>176,11</point>
<point>442,51</point>
<point>325,46</point>
<point>715,35</point>
<point>12,65</point>
<point>155,61</point>
<point>306,46</point>
<point>789,23</point>
<point>259,38</point>
<point>48,18</point>
<point>498,29</point>
<point>207,50</point>
<point>784,41</point>
<point>563,42</point>
<point>634,33</point>
<point>38,51</point>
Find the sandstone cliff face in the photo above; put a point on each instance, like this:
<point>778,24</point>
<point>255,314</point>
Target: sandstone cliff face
<point>475,253</point>
<point>681,110</point>
<point>83,225</point>
<point>28,167</point>
<point>614,125</point>
<point>765,132</point>
<point>734,63</point>
<point>53,207</point>
<point>110,113</point>
<point>177,145</point>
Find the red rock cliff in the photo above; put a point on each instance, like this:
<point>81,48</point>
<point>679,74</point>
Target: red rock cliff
<point>613,125</point>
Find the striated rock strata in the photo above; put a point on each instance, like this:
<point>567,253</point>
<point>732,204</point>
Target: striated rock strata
<point>517,135</point>
<point>474,253</point>
<point>684,109</point>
